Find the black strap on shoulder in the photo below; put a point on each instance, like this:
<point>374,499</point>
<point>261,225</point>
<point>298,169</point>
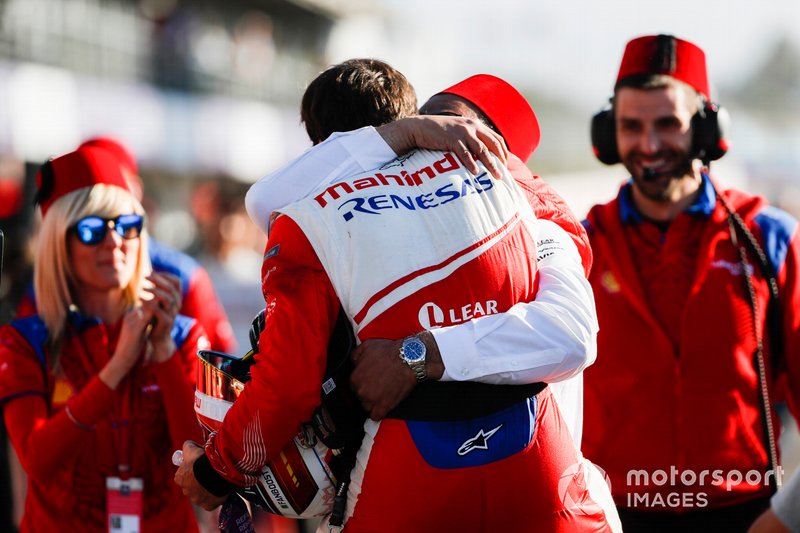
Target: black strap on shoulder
<point>774,330</point>
<point>774,315</point>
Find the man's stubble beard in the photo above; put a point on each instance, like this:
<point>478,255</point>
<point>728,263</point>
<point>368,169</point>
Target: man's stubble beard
<point>661,187</point>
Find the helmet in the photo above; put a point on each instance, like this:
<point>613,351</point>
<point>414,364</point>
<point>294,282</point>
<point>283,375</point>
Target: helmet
<point>298,483</point>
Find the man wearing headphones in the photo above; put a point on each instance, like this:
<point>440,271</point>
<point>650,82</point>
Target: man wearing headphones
<point>698,301</point>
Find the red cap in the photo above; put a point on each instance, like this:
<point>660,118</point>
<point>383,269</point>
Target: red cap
<point>123,155</point>
<point>11,193</point>
<point>665,54</point>
<point>505,107</point>
<point>85,167</point>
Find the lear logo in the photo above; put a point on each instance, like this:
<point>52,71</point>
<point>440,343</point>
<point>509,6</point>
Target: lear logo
<point>431,315</point>
<point>609,282</point>
<point>478,442</point>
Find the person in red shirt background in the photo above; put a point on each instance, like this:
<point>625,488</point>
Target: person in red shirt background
<point>675,407</point>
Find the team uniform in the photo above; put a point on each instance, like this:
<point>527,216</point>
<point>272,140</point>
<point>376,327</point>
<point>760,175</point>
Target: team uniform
<point>198,299</point>
<point>418,240</point>
<point>71,431</point>
<point>551,338</point>
<point>690,400</point>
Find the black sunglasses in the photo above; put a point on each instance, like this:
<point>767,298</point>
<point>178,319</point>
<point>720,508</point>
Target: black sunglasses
<point>92,230</point>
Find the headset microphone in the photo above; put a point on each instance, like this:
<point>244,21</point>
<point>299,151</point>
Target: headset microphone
<point>648,174</point>
<point>665,55</point>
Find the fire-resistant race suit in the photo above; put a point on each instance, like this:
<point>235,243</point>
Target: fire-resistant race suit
<point>418,235</point>
<point>674,391</point>
<point>71,431</point>
<point>550,339</point>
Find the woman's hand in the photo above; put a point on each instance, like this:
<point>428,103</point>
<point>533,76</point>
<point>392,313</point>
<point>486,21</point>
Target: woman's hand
<point>129,347</point>
<point>162,302</point>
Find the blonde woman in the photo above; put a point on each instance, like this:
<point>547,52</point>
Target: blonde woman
<point>96,390</point>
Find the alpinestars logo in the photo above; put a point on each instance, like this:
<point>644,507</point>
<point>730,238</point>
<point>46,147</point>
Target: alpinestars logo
<point>478,442</point>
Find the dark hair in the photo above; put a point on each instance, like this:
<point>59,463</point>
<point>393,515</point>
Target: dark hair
<point>650,82</point>
<point>354,94</point>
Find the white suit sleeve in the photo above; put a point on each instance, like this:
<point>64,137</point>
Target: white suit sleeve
<point>339,156</point>
<point>550,339</point>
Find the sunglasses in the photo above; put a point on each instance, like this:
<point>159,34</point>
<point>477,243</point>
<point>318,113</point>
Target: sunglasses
<point>92,230</point>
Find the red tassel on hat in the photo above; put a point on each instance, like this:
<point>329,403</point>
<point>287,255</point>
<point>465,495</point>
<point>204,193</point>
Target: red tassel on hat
<point>505,107</point>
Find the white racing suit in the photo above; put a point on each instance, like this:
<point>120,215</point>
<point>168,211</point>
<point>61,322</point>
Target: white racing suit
<point>420,239</point>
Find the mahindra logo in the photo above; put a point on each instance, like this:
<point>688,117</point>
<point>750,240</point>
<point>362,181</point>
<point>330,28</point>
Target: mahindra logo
<point>447,164</point>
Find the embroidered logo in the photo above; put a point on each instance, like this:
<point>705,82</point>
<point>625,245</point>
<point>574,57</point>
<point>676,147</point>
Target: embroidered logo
<point>272,252</point>
<point>431,315</point>
<point>547,247</point>
<point>734,268</point>
<point>610,282</point>
<point>478,442</point>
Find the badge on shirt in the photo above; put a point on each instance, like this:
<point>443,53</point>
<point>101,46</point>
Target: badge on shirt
<point>124,504</point>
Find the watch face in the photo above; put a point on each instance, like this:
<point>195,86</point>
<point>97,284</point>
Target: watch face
<point>413,350</point>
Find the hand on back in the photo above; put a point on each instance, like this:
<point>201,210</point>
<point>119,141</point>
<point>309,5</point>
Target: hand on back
<point>468,138</point>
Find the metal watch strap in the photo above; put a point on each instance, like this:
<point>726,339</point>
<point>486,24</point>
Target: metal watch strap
<point>418,367</point>
<point>419,370</point>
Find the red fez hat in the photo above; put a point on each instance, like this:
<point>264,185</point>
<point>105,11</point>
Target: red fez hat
<point>123,155</point>
<point>665,54</point>
<point>85,167</point>
<point>505,107</point>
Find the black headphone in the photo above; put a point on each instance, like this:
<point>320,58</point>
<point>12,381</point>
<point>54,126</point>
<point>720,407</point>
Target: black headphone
<point>709,124</point>
<point>709,127</point>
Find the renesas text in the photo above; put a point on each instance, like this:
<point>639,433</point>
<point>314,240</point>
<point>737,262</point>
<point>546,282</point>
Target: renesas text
<point>376,204</point>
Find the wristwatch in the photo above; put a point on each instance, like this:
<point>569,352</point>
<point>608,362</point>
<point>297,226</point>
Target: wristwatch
<point>412,353</point>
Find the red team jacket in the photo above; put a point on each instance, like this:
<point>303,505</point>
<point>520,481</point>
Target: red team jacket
<point>67,465</point>
<point>677,391</point>
<point>549,205</point>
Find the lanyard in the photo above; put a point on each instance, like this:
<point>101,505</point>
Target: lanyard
<point>121,429</point>
<point>120,421</point>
